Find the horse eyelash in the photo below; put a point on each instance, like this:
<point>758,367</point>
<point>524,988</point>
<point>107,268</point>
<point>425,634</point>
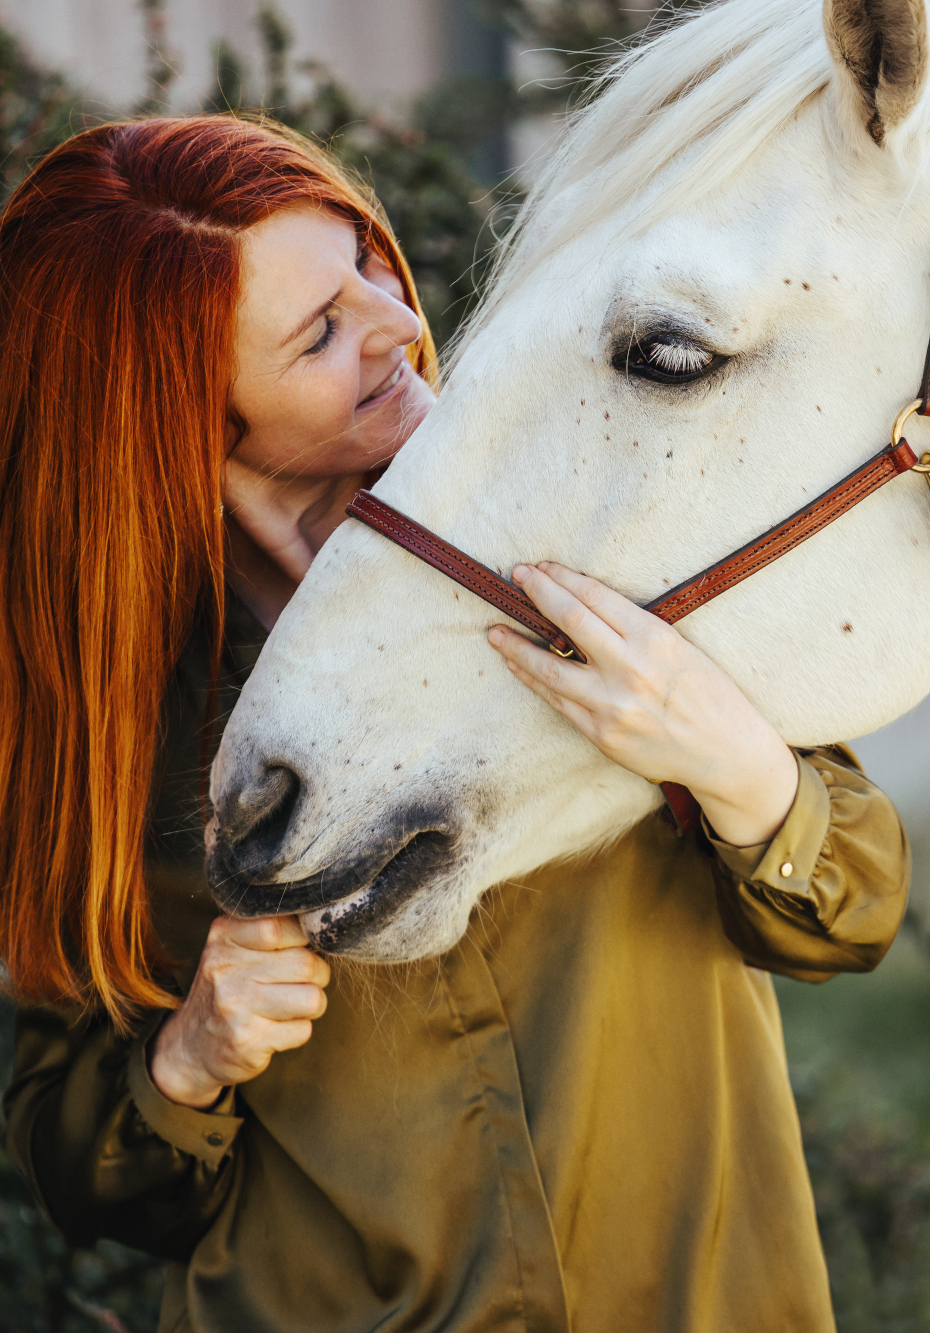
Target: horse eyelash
<point>677,358</point>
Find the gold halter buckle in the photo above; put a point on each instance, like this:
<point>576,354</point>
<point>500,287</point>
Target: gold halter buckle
<point>897,431</point>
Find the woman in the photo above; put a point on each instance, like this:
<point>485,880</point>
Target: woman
<point>201,314</point>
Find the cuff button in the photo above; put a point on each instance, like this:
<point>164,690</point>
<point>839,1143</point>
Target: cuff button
<point>215,1140</point>
<point>786,870</point>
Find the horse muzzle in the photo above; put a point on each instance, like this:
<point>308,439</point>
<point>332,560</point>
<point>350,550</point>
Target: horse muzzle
<point>344,904</point>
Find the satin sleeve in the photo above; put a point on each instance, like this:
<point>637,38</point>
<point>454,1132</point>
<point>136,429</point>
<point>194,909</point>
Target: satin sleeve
<point>829,891</point>
<point>105,1152</point>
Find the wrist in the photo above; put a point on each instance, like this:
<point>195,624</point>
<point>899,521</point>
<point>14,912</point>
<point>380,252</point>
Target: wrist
<point>750,810</point>
<point>180,1080</point>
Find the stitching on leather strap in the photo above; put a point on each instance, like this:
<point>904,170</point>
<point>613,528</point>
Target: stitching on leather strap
<point>459,567</point>
<point>804,523</point>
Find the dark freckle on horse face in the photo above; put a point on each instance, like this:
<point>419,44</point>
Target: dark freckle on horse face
<point>582,402</point>
<point>456,597</point>
<point>606,416</point>
<point>579,421</point>
<point>787,282</point>
<point>806,286</point>
<point>739,460</point>
<point>702,472</point>
<point>636,444</point>
<point>847,628</point>
<point>480,673</point>
<point>380,647</point>
<point>819,409</point>
<point>426,682</point>
<point>397,766</point>
<point>606,437</point>
<point>878,370</point>
<point>669,454</point>
<point>665,581</point>
<point>481,762</point>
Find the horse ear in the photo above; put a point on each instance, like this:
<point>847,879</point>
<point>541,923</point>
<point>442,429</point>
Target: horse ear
<point>880,49</point>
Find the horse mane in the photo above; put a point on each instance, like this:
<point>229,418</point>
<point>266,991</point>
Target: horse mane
<point>665,122</point>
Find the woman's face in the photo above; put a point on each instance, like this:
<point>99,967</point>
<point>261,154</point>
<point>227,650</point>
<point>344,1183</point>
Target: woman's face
<point>323,383</point>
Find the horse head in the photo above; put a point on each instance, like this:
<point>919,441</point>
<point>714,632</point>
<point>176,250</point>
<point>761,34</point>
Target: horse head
<point>713,308</point>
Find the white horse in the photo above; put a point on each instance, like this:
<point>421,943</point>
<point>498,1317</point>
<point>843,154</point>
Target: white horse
<point>714,306</point>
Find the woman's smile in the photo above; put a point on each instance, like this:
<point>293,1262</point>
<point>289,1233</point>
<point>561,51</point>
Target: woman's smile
<point>381,391</point>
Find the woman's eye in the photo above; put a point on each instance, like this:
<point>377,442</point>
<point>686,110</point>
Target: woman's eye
<point>323,342</point>
<point>669,360</point>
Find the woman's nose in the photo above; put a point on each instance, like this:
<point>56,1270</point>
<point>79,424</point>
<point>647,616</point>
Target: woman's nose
<point>391,324</point>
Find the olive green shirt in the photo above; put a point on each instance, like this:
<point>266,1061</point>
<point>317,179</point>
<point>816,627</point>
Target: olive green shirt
<point>578,1119</point>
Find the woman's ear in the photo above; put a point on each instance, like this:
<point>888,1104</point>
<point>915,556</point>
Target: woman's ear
<point>880,50</point>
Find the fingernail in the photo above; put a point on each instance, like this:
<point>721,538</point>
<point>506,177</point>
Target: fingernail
<point>520,572</point>
<point>496,636</point>
<point>544,565</point>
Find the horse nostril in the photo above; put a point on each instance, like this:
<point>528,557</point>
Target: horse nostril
<point>256,826</point>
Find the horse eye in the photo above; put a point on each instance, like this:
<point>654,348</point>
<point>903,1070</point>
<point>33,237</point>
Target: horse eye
<point>668,359</point>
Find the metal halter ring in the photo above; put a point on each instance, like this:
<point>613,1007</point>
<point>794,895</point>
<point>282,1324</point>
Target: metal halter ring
<point>898,429</point>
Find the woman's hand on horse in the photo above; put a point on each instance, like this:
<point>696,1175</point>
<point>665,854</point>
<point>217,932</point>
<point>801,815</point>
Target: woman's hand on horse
<point>257,990</point>
<point>653,702</point>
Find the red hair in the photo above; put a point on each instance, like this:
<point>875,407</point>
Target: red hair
<point>119,280</point>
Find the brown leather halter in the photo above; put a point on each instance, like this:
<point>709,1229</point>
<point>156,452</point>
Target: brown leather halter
<point>680,601</point>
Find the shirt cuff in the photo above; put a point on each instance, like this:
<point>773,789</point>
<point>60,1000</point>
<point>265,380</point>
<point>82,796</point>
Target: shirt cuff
<point>787,862</point>
<point>208,1135</point>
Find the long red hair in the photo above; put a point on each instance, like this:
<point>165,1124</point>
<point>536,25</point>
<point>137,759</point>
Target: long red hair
<point>119,280</point>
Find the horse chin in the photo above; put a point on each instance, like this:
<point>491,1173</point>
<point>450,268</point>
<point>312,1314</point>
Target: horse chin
<point>400,896</point>
<point>370,929</point>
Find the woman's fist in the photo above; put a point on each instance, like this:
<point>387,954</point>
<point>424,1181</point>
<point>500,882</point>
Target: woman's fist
<point>257,990</point>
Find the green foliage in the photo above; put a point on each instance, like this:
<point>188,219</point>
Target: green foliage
<point>229,89</point>
<point>277,40</point>
<point>37,111</point>
<point>859,1050</point>
<point>578,35</point>
<point>160,72</point>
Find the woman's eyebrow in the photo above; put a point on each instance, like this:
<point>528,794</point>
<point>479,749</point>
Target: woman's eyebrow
<point>309,320</point>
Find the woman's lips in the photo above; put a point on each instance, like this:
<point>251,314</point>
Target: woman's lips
<point>385,387</point>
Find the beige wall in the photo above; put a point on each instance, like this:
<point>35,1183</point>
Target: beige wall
<point>385,50</point>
